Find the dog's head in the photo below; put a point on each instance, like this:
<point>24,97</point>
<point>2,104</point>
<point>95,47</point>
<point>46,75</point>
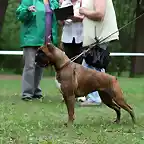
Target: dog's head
<point>47,55</point>
<point>41,59</point>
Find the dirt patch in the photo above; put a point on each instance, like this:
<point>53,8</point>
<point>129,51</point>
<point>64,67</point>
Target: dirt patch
<point>9,77</point>
<point>16,77</point>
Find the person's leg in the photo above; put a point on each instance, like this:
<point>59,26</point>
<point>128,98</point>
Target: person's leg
<point>67,47</point>
<point>73,49</point>
<point>92,98</point>
<point>37,79</point>
<point>76,50</point>
<point>28,73</point>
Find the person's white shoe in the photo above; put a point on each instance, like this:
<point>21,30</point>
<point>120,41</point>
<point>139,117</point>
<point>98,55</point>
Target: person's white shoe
<point>89,103</point>
<point>81,99</point>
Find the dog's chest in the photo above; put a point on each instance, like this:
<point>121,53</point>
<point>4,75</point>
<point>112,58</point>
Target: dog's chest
<point>58,84</point>
<point>78,92</point>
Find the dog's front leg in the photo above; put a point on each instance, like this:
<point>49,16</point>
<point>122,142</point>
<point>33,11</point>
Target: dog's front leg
<point>70,101</point>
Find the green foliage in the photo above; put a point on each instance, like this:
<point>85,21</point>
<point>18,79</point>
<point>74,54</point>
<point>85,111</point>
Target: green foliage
<point>9,38</point>
<point>125,12</point>
<point>10,32</point>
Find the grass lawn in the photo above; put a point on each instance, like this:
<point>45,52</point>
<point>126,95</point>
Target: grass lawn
<point>42,122</point>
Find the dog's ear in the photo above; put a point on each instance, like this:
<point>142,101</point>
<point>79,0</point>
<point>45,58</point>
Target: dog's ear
<point>50,47</point>
<point>44,49</point>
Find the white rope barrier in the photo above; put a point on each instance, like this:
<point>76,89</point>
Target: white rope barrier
<point>126,54</point>
<point>11,52</point>
<point>111,54</point>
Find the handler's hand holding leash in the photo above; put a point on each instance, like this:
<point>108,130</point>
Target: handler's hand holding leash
<point>32,8</point>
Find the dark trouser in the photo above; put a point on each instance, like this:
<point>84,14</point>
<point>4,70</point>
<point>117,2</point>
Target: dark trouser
<point>73,49</point>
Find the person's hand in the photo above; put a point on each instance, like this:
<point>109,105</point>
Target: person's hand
<point>77,16</point>
<point>82,10</point>
<point>76,12</point>
<point>32,8</point>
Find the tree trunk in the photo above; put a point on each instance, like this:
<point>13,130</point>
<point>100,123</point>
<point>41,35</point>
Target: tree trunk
<point>3,7</point>
<point>137,67</point>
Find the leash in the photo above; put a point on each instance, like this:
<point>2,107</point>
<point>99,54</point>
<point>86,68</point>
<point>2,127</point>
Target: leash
<point>100,41</point>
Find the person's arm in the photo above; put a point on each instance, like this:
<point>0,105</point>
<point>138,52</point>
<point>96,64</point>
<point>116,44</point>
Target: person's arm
<point>98,13</point>
<point>24,11</point>
<point>77,17</point>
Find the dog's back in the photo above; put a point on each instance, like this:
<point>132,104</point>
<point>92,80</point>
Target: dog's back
<point>91,80</point>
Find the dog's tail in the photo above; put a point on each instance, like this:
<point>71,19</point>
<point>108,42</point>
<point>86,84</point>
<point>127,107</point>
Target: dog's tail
<point>117,96</point>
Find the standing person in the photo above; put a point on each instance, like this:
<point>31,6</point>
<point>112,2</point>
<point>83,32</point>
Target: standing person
<point>39,26</point>
<point>100,21</point>
<point>72,32</point>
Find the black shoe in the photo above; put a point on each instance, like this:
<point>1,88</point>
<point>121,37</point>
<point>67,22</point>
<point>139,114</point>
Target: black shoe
<point>37,97</point>
<point>26,98</point>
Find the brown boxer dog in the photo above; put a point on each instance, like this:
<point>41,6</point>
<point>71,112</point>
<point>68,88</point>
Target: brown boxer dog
<point>76,81</point>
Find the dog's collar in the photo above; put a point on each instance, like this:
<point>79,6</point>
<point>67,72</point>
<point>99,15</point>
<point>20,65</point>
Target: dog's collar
<point>63,66</point>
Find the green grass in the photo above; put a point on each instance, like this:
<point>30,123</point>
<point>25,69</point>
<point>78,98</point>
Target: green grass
<point>43,122</point>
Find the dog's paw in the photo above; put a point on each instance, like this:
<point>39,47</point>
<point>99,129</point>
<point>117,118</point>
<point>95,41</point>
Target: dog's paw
<point>116,121</point>
<point>65,124</point>
<point>69,125</point>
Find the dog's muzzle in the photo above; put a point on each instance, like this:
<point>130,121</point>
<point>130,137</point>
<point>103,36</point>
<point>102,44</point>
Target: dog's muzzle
<point>41,59</point>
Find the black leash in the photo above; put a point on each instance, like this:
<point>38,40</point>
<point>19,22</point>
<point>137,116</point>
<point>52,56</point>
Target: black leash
<point>100,41</point>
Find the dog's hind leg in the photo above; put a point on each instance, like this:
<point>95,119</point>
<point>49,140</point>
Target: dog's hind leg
<point>117,110</point>
<point>118,98</point>
<point>121,102</point>
<point>107,100</point>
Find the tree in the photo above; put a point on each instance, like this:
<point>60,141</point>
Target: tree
<point>9,38</point>
<point>137,67</point>
<point>3,7</point>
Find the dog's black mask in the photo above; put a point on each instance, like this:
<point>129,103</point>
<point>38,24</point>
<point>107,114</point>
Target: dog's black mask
<point>41,59</point>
